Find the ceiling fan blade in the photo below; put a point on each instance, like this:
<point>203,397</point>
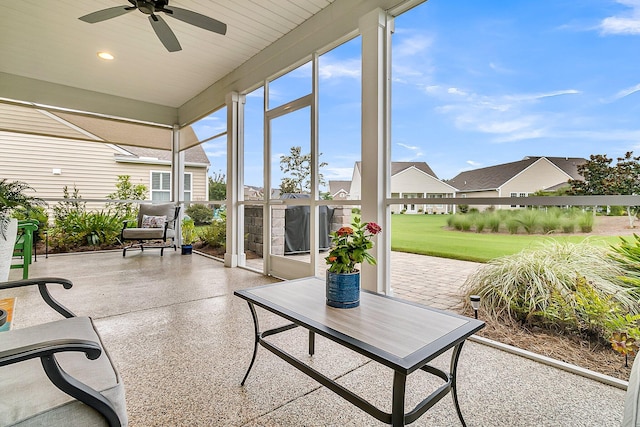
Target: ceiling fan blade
<point>104,14</point>
<point>197,19</point>
<point>164,33</point>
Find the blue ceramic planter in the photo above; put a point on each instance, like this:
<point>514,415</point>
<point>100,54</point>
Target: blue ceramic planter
<point>343,290</point>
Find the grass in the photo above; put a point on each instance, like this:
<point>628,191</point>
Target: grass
<point>427,235</point>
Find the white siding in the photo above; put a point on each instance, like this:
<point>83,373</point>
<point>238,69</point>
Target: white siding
<point>91,167</point>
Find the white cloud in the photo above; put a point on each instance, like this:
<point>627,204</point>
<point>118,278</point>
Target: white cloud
<point>499,69</point>
<point>411,46</point>
<point>626,23</point>
<point>417,152</point>
<point>473,163</point>
<point>536,96</point>
<point>337,174</point>
<point>456,91</point>
<point>628,91</point>
<point>220,153</point>
<point>330,69</point>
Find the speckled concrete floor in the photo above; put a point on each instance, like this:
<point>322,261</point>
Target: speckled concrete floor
<point>182,343</point>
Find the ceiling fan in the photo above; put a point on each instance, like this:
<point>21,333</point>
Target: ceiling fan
<point>162,30</point>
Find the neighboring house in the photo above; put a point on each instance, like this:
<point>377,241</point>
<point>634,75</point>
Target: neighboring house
<point>49,163</point>
<point>517,179</point>
<point>411,180</point>
<point>339,190</point>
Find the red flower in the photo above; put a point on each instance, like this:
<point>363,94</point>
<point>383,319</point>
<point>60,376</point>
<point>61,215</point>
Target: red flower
<point>332,258</point>
<point>345,231</point>
<point>373,228</point>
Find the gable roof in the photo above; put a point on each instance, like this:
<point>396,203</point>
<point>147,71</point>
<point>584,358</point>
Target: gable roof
<point>493,177</point>
<point>397,167</point>
<point>336,186</point>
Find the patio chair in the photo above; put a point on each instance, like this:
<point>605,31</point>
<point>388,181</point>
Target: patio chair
<point>58,373</point>
<point>155,223</point>
<point>24,245</point>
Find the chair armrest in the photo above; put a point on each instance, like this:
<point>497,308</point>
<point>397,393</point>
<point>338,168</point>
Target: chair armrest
<point>44,291</point>
<point>47,348</point>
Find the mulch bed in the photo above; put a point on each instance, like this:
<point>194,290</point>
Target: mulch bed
<point>580,351</point>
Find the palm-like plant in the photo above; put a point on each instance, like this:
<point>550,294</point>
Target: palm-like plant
<point>12,197</point>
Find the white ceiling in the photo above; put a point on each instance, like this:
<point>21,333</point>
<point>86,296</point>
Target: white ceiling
<point>48,56</point>
<point>44,40</point>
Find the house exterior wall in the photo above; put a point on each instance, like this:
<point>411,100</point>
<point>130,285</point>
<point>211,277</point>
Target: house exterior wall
<point>412,182</point>
<point>479,194</point>
<point>91,167</point>
<point>540,175</point>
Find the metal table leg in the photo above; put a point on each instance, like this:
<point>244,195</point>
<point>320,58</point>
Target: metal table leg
<point>453,374</point>
<point>397,407</point>
<point>257,340</point>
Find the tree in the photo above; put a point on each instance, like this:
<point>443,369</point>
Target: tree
<point>600,178</point>
<point>126,190</point>
<point>217,186</point>
<point>298,166</point>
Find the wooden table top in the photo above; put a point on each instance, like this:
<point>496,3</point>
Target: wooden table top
<point>400,334</point>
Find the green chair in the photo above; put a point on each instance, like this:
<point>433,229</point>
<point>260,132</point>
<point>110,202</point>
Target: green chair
<point>24,245</point>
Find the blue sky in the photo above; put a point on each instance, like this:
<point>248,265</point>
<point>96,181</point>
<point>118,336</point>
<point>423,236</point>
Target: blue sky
<point>477,84</point>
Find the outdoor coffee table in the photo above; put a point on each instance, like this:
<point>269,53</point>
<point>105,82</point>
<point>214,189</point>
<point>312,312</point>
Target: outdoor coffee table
<point>398,334</point>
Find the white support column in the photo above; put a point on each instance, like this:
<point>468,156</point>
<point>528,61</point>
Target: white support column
<point>235,143</point>
<point>177,179</point>
<point>375,29</point>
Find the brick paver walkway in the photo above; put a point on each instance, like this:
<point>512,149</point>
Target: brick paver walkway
<point>432,281</point>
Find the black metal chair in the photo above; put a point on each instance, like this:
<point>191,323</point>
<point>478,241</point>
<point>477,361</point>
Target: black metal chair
<point>155,223</point>
<point>58,373</point>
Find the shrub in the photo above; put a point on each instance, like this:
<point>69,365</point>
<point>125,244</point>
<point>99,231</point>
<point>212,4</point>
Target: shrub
<point>125,190</point>
<point>188,231</point>
<point>200,214</point>
<point>617,211</point>
<point>585,222</point>
<point>85,228</point>
<point>529,220</point>
<point>70,205</point>
<point>215,234</point>
<point>565,285</point>
<point>99,228</point>
<point>512,225</point>
<point>494,223</point>
<point>550,223</point>
<point>39,214</point>
<point>463,209</point>
<point>568,226</point>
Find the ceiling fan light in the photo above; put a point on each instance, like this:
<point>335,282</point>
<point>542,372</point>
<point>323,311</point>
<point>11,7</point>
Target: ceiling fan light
<point>106,56</point>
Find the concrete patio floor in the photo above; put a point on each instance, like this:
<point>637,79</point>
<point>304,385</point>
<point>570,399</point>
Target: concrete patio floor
<point>182,343</point>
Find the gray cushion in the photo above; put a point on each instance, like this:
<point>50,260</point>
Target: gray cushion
<point>632,398</point>
<point>146,233</point>
<point>166,209</point>
<point>30,399</point>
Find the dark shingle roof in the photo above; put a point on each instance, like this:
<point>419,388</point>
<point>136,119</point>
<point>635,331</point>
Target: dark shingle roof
<point>336,186</point>
<point>493,177</point>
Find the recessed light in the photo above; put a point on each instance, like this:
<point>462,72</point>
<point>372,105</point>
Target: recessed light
<point>105,55</point>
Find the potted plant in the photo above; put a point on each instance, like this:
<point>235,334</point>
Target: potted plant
<point>349,246</point>
<point>188,235</point>
<point>12,197</point>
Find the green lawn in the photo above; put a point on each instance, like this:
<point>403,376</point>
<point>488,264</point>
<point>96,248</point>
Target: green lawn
<point>427,235</point>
